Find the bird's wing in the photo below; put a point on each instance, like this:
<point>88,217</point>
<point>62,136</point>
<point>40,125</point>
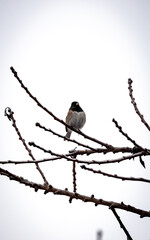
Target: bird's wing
<point>69,115</point>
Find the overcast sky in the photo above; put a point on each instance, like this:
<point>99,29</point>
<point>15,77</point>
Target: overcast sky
<point>68,51</point>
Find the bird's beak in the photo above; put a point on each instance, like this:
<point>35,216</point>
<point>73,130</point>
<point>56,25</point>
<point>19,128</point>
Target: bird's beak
<point>77,104</point>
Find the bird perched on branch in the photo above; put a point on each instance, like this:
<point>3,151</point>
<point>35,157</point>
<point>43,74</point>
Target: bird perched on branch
<point>75,118</point>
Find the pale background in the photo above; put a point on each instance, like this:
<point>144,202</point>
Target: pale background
<point>65,51</point>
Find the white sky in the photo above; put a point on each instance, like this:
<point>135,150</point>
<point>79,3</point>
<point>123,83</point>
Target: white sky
<point>66,51</point>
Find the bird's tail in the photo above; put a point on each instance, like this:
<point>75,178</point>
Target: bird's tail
<point>68,134</point>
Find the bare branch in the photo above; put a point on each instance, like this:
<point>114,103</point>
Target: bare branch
<point>126,135</point>
<point>10,116</point>
<point>70,159</point>
<point>121,159</point>
<point>91,161</point>
<point>121,224</point>
<point>135,105</point>
<point>94,150</point>
<point>74,176</point>
<point>65,138</point>
<point>29,161</point>
<point>115,175</point>
<point>142,213</point>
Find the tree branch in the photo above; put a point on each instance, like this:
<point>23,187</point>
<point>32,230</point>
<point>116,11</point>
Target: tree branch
<point>74,176</point>
<point>63,137</point>
<point>85,161</point>
<point>115,175</point>
<point>70,159</point>
<point>121,224</point>
<point>135,105</point>
<point>10,116</point>
<point>126,135</point>
<point>142,213</point>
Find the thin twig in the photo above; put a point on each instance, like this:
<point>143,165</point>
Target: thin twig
<point>65,138</point>
<point>126,135</point>
<point>85,161</point>
<point>60,156</point>
<point>135,105</point>
<point>10,115</point>
<point>29,161</point>
<point>121,224</point>
<point>115,175</point>
<point>74,177</point>
<point>80,152</point>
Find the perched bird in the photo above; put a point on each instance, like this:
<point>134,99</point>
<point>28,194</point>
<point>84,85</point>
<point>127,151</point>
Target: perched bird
<point>75,118</point>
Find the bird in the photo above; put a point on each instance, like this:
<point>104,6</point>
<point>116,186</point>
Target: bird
<point>75,118</point>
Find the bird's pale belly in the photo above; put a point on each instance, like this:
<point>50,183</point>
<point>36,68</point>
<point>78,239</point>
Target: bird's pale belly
<point>77,120</point>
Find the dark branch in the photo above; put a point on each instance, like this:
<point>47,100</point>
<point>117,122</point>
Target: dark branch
<point>115,175</point>
<point>29,161</point>
<point>10,116</point>
<point>69,159</point>
<point>74,176</point>
<point>135,105</point>
<point>63,137</point>
<point>72,195</point>
<point>121,224</point>
<point>85,161</point>
<point>126,135</point>
<point>88,162</point>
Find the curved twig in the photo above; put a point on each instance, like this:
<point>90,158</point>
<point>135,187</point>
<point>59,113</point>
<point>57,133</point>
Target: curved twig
<point>10,115</point>
<point>135,105</point>
<point>126,135</point>
<point>64,137</point>
<point>115,175</point>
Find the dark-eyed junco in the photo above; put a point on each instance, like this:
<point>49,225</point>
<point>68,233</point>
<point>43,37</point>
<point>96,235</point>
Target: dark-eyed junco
<point>75,118</point>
